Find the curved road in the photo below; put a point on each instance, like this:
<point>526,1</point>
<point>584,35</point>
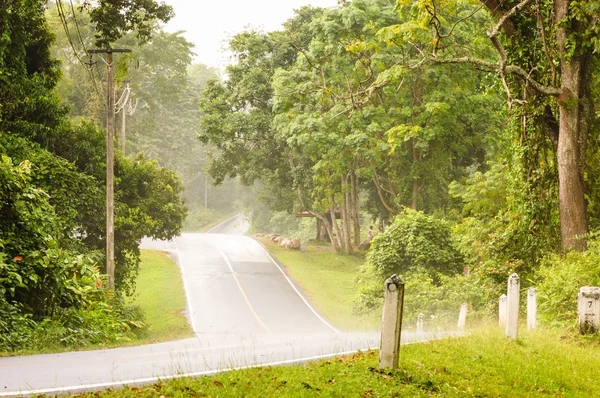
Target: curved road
<point>243,308</point>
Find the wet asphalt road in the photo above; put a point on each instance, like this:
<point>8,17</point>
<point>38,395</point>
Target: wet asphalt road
<point>243,309</point>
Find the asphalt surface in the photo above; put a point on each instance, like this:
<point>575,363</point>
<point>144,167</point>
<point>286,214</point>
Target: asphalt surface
<point>243,308</point>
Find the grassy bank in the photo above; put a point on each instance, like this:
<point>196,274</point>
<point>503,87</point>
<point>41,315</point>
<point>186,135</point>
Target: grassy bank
<point>485,364</point>
<point>327,278</point>
<point>209,222</point>
<point>161,296</point>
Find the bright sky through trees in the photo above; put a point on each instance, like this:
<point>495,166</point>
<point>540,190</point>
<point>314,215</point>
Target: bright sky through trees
<point>210,24</point>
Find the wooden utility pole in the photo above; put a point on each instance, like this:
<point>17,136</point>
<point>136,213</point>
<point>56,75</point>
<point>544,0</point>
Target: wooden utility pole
<point>110,162</point>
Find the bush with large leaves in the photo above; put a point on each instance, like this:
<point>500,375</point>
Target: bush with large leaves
<point>40,281</point>
<point>52,223</point>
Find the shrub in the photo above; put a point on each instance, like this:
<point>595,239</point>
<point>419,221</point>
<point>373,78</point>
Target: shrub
<point>415,244</point>
<point>440,303</point>
<point>559,279</point>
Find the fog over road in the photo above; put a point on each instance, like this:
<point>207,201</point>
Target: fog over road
<point>243,309</point>
<point>233,286</point>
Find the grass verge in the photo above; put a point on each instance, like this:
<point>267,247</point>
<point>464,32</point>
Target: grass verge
<point>218,219</point>
<point>161,296</point>
<point>485,364</point>
<point>327,278</point>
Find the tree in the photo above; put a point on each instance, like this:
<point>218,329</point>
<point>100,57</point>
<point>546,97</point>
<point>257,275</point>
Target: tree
<point>237,113</point>
<point>68,159</point>
<point>115,18</point>
<point>546,51</point>
<point>404,143</point>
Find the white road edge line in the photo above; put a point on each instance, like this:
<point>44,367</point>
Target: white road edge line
<point>296,290</point>
<point>147,380</point>
<point>91,387</point>
<point>187,292</point>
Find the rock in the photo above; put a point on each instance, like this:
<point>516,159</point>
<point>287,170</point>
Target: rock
<point>276,238</point>
<point>364,245</point>
<point>291,243</point>
<point>259,235</point>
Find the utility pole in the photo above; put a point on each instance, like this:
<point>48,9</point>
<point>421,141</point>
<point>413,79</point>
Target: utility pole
<point>110,162</point>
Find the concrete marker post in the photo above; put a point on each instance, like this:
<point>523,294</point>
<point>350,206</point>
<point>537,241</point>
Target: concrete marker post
<point>420,324</point>
<point>588,308</point>
<point>502,311</point>
<point>512,306</point>
<point>391,325</point>
<point>531,308</point>
<point>462,317</point>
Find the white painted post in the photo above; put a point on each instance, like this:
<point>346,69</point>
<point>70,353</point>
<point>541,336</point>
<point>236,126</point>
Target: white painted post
<point>391,325</point>
<point>420,324</point>
<point>502,311</point>
<point>512,306</point>
<point>462,317</point>
<point>531,308</point>
<point>588,307</point>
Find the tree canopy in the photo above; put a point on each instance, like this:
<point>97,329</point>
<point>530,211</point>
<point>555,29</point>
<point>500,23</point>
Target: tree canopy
<point>52,224</point>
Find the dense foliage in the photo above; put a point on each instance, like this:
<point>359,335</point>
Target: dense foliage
<point>375,106</point>
<point>160,117</point>
<point>52,223</point>
<point>415,244</point>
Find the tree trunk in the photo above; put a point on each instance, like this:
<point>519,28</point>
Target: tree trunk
<point>571,138</point>
<point>573,220</point>
<point>327,225</point>
<point>346,219</point>
<point>415,181</point>
<point>355,208</point>
<point>415,195</point>
<point>335,240</point>
<point>322,233</point>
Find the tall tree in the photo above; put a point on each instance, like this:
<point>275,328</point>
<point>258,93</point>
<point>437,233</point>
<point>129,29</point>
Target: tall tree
<point>237,113</point>
<point>546,52</point>
<point>405,143</point>
<point>115,18</point>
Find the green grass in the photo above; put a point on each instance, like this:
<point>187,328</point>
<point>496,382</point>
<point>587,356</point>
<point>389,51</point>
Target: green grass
<point>328,279</point>
<point>485,364</point>
<point>161,296</point>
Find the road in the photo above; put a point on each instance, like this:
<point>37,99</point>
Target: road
<point>243,308</point>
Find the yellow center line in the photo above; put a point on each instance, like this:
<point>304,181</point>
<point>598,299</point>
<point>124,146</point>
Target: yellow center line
<point>243,293</point>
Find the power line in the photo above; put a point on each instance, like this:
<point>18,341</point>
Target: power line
<point>77,26</point>
<point>65,24</point>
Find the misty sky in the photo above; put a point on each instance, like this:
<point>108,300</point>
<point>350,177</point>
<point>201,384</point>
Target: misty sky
<point>209,24</point>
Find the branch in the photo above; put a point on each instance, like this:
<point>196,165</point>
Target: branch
<point>460,21</point>
<point>381,196</point>
<point>495,67</point>
<point>496,10</point>
<point>494,32</point>
<point>545,41</point>
<point>493,35</point>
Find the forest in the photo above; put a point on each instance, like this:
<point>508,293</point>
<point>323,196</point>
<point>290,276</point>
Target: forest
<point>53,284</point>
<point>465,131</point>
